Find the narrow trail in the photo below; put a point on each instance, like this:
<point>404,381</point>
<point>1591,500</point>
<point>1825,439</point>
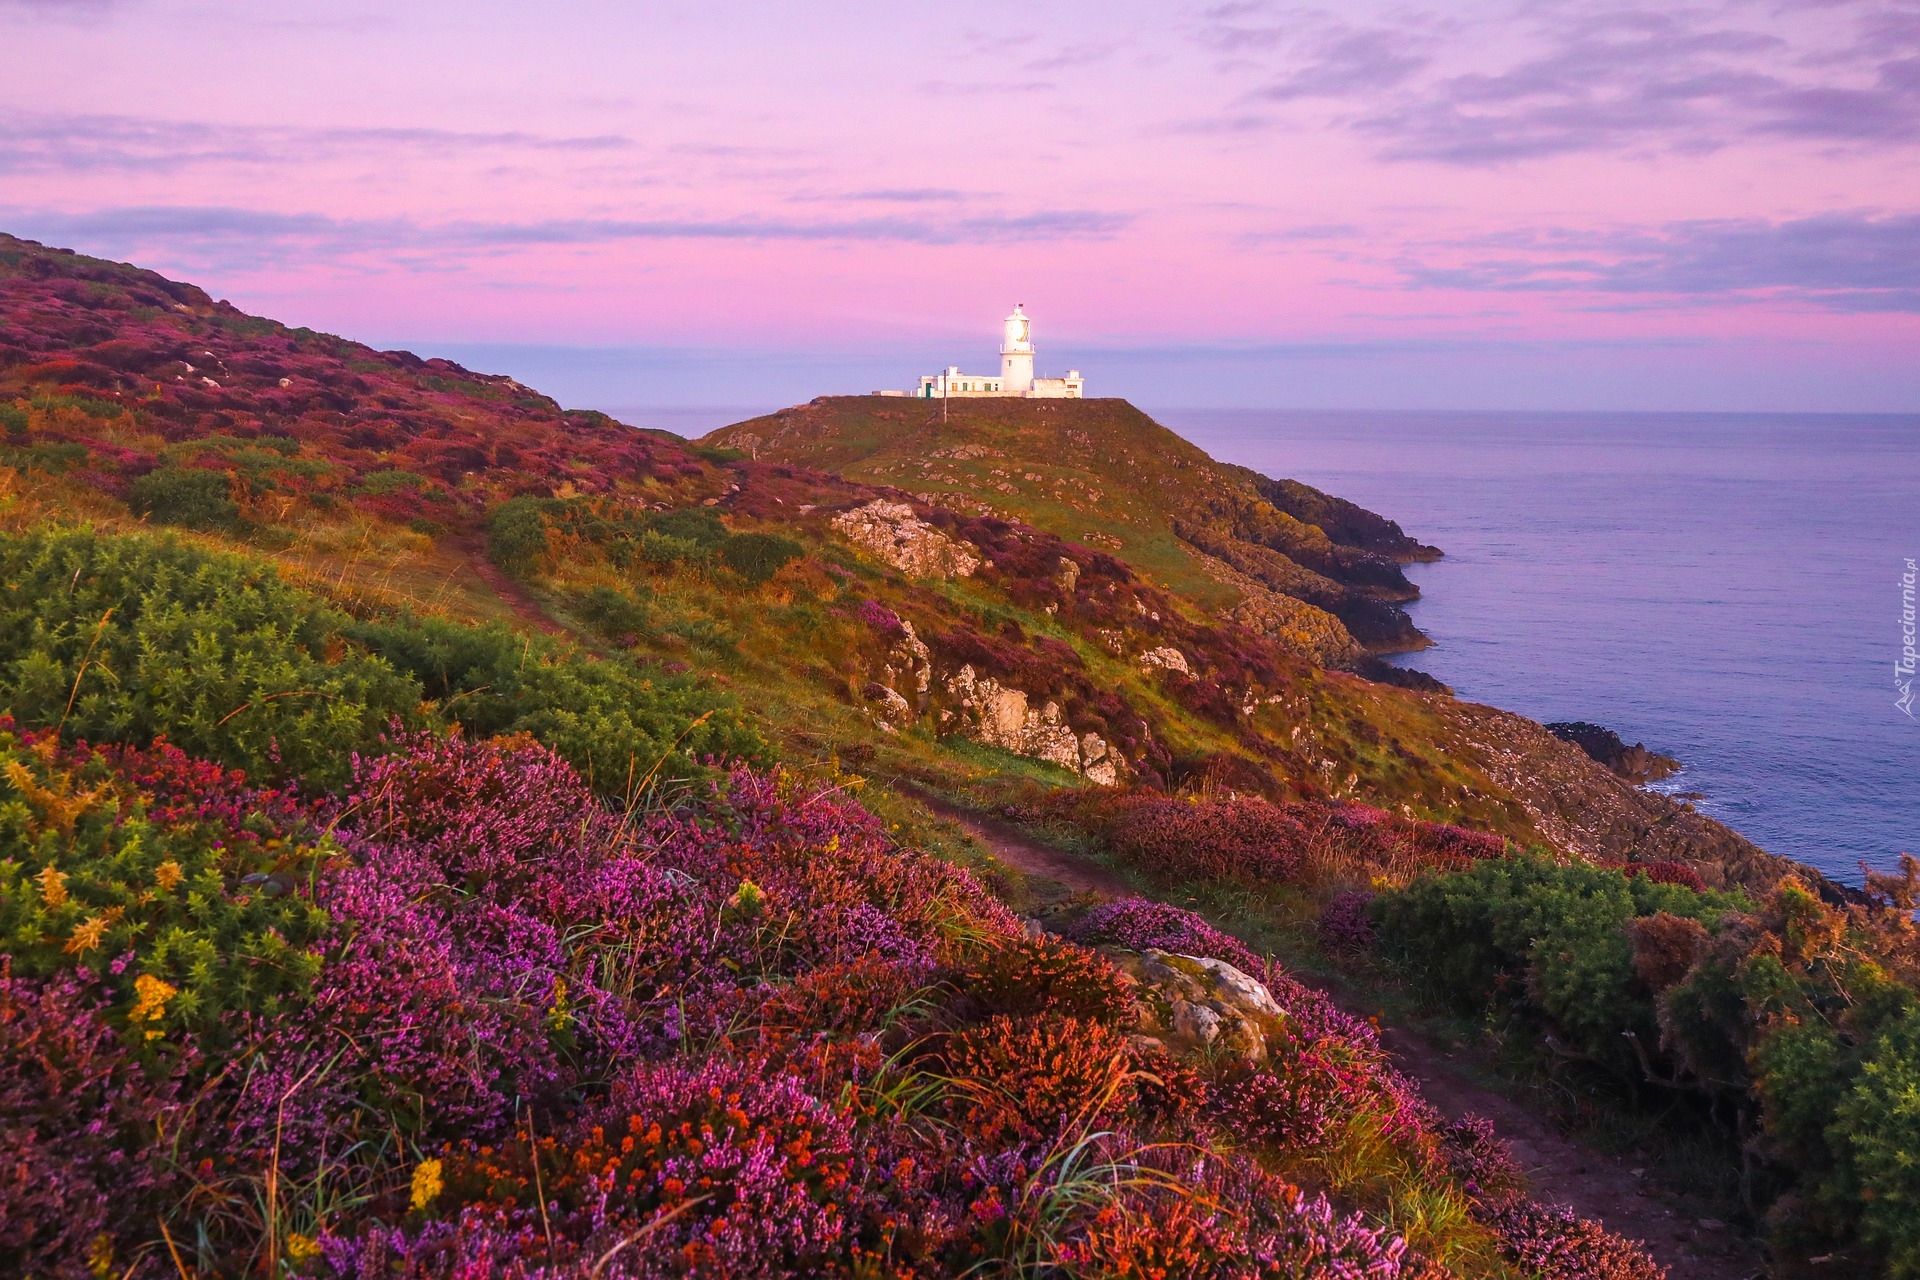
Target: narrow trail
<point>524,606</point>
<point>1598,1186</point>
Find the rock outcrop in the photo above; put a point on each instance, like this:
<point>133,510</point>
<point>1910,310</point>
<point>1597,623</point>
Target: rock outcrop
<point>1583,808</point>
<point>1166,656</point>
<point>1634,763</point>
<point>1306,629</point>
<point>1197,1002</point>
<point>890,532</point>
<point>984,710</point>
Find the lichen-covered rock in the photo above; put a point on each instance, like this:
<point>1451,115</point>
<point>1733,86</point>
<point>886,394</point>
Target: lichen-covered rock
<point>891,711</point>
<point>892,533</point>
<point>1200,1003</point>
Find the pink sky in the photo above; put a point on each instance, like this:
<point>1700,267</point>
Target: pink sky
<point>1476,204</point>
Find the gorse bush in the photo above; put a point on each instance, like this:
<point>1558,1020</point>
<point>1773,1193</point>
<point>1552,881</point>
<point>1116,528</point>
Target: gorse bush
<point>122,639</point>
<point>523,532</point>
<point>756,557</point>
<point>1793,1010</point>
<point>188,496</point>
<point>188,892</point>
<point>1552,935</point>
<point>614,721</point>
<point>516,532</point>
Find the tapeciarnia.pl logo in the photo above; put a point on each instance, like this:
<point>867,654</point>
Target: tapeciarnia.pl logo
<point>1903,668</point>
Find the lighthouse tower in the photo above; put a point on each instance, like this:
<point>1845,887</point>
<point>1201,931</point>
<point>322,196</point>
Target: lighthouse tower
<point>1016,354</point>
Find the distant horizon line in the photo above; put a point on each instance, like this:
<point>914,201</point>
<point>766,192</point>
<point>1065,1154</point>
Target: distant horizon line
<point>755,411</point>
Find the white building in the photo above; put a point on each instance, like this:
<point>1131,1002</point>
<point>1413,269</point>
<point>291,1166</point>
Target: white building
<point>1014,379</point>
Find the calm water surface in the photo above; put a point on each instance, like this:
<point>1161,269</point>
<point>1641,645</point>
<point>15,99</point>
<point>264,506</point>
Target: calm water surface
<point>1723,587</point>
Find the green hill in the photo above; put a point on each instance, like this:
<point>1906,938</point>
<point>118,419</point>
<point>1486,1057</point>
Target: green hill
<point>1103,473</point>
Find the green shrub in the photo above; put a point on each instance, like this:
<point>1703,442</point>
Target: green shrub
<point>661,548</point>
<point>124,639</point>
<point>1877,1127</point>
<point>15,422</point>
<point>55,457</point>
<point>1546,935</point>
<point>698,525</point>
<point>614,614</point>
<point>517,532</point>
<point>758,556</point>
<point>186,496</point>
<point>609,719</point>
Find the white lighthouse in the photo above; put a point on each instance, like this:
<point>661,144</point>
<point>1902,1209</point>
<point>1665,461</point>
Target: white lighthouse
<point>1015,377</point>
<point>1016,353</point>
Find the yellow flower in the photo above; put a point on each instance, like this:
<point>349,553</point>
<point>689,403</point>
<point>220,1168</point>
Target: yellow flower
<point>747,902</point>
<point>53,887</point>
<point>167,875</point>
<point>100,1255</point>
<point>300,1248</point>
<point>426,1183</point>
<point>86,937</point>
<point>150,1000</point>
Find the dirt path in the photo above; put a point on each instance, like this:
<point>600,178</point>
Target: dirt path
<point>1598,1186</point>
<point>524,606</point>
<point>1017,849</point>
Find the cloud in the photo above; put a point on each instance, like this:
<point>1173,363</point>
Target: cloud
<point>247,239</point>
<point>1846,262</point>
<point>909,195</point>
<point>1073,55</point>
<point>984,88</point>
<point>1546,79</point>
<point>1351,60</point>
<point>72,10</point>
<point>32,142</point>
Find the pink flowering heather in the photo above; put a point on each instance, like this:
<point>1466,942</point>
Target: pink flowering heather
<point>884,621</point>
<point>1232,1222</point>
<point>1243,838</point>
<point>78,1117</point>
<point>1555,1243</point>
<point>1445,842</point>
<point>1480,1161</point>
<point>1138,924</point>
<point>1344,925</point>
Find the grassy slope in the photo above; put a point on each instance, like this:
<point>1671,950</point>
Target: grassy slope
<point>1103,473</point>
<point>1078,468</point>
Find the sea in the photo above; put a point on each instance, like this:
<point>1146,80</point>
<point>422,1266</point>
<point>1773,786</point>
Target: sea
<point>1725,588</point>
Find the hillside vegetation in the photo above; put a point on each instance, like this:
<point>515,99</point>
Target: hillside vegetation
<point>1102,473</point>
<point>444,834</point>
